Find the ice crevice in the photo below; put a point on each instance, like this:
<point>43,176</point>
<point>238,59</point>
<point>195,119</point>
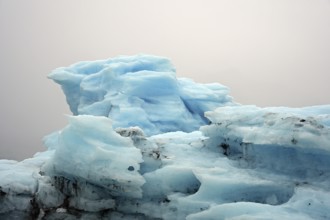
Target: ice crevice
<point>144,144</point>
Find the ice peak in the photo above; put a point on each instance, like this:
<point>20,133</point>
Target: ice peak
<point>141,91</point>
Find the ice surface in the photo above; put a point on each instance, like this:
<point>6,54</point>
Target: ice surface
<point>143,144</point>
<point>299,139</point>
<point>139,91</point>
<point>89,149</point>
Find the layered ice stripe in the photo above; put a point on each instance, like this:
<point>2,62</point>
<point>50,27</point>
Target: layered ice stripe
<point>284,140</point>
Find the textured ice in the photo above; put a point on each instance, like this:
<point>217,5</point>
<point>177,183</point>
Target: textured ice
<point>143,144</point>
<point>139,91</point>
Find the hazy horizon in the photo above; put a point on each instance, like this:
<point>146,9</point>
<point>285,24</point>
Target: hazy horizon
<point>269,53</point>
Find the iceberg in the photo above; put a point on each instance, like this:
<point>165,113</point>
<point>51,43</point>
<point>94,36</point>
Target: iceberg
<point>144,144</point>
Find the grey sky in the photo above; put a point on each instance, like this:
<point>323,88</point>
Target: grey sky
<point>270,53</point>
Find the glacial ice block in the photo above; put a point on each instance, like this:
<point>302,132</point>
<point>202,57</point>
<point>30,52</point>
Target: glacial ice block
<point>139,90</point>
<point>90,150</point>
<point>284,140</point>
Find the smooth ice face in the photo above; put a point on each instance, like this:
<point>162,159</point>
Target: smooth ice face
<point>139,91</point>
<point>89,149</point>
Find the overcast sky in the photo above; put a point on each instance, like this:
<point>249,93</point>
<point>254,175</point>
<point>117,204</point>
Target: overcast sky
<point>270,53</point>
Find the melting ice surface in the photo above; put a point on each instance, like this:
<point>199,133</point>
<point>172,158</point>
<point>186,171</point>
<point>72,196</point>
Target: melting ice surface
<point>143,144</point>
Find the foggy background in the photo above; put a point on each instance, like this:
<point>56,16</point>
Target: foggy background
<point>269,53</point>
